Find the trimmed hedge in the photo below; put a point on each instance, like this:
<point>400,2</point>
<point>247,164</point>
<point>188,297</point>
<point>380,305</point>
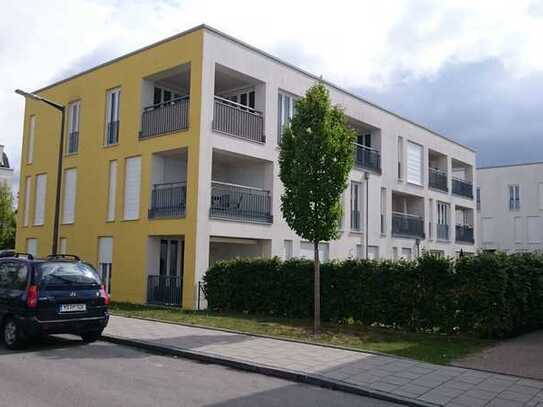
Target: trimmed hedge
<point>491,295</point>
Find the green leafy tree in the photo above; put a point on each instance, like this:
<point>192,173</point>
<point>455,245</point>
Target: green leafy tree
<point>315,160</point>
<point>7,218</point>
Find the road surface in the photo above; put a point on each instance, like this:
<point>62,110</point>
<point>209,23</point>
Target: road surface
<point>62,372</point>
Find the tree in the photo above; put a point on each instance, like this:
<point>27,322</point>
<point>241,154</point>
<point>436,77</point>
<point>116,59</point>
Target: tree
<point>7,218</point>
<point>315,160</point>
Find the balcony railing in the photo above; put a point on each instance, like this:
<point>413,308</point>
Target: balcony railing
<point>438,179</point>
<point>166,117</point>
<point>462,188</point>
<point>366,157</point>
<point>464,233</point>
<point>164,290</point>
<point>238,120</point>
<point>238,202</point>
<point>73,142</point>
<point>168,200</point>
<point>442,232</point>
<point>406,225</point>
<point>112,132</point>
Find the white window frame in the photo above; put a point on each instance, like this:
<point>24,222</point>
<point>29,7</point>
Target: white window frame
<point>113,103</point>
<point>28,192</point>
<point>288,249</point>
<point>112,190</point>
<point>128,213</point>
<point>419,180</point>
<point>356,203</point>
<point>31,139</point>
<point>70,196</point>
<point>40,199</point>
<point>514,196</point>
<point>74,110</point>
<point>383,207</point>
<point>401,161</point>
<point>285,112</point>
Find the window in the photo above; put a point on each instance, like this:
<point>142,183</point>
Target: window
<point>400,158</point>
<point>356,188</point>
<point>169,258</point>
<point>534,229</point>
<point>443,215</point>
<point>287,249</point>
<point>360,251</point>
<point>430,219</point>
<point>63,245</point>
<point>26,211</point>
<point>285,112</point>
<point>112,191</point>
<point>517,229</point>
<point>32,246</point>
<point>39,205</point>
<point>112,116</point>
<point>31,140</point>
<point>105,261</point>
<point>70,186</point>
<point>163,95</point>
<point>383,210</point>
<point>414,163</point>
<point>307,251</point>
<point>132,183</point>
<point>487,229</point>
<point>478,197</point>
<point>540,187</point>
<point>373,252</point>
<point>406,253</point>
<point>73,128</point>
<point>514,197</point>
<point>395,253</point>
<point>245,97</point>
<point>13,276</point>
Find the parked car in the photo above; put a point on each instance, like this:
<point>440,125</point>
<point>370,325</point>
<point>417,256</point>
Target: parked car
<point>57,295</point>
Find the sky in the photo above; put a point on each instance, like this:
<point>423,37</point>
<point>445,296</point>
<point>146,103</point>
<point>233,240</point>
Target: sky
<point>470,70</point>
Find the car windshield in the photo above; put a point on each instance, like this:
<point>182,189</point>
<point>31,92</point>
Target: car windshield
<point>64,273</point>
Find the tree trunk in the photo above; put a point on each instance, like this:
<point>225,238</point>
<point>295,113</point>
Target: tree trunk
<point>317,292</point>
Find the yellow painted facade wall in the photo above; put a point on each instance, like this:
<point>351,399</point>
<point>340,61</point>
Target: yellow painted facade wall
<point>129,237</point>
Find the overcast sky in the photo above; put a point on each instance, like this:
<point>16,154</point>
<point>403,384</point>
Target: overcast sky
<point>471,70</point>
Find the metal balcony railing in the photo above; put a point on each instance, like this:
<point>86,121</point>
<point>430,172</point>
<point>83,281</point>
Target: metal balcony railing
<point>464,233</point>
<point>164,290</point>
<point>438,179</point>
<point>166,117</point>
<point>442,232</point>
<point>168,200</point>
<point>73,142</point>
<point>112,132</point>
<point>240,203</point>
<point>462,188</point>
<point>238,120</point>
<point>406,225</point>
<point>366,157</point>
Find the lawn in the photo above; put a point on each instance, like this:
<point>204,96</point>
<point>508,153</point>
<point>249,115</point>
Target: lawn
<point>425,347</point>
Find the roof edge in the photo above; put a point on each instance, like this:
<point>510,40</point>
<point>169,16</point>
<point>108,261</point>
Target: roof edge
<point>204,26</point>
<point>490,167</point>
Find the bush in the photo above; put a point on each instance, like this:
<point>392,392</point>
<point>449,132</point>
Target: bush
<point>491,295</point>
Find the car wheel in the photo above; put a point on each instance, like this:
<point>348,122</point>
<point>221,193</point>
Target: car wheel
<point>12,334</point>
<point>89,337</point>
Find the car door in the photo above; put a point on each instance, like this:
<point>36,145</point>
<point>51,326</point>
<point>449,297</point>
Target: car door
<point>17,273</point>
<point>3,292</point>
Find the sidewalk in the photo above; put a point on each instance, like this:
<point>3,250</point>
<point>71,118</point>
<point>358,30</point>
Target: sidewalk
<point>408,381</point>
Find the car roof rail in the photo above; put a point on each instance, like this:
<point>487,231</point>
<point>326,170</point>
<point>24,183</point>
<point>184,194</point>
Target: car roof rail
<point>72,257</point>
<point>7,253</point>
<point>22,254</point>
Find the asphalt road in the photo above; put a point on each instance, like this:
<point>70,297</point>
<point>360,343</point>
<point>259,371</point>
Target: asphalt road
<point>62,372</point>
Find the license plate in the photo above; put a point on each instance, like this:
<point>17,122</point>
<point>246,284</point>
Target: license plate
<point>73,307</point>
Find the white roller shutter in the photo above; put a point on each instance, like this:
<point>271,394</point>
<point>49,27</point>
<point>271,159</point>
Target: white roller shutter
<point>39,209</point>
<point>414,163</point>
<point>112,190</point>
<point>132,183</point>
<point>70,186</point>
<point>32,246</point>
<point>534,229</point>
<point>487,227</point>
<point>28,186</point>
<point>105,250</point>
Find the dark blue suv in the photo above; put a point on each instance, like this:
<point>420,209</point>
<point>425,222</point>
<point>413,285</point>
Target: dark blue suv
<point>57,295</point>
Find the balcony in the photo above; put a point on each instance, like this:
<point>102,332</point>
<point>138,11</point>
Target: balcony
<point>164,290</point>
<point>406,225</point>
<point>462,188</point>
<point>367,157</point>
<point>437,179</point>
<point>165,117</point>
<point>464,234</point>
<point>168,200</point>
<point>238,120</point>
<point>442,232</point>
<point>238,202</point>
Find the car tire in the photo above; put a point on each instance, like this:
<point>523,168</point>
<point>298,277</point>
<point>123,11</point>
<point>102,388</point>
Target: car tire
<point>12,335</point>
<point>92,336</point>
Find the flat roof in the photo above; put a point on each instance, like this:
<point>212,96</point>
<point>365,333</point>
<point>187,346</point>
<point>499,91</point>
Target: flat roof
<point>510,165</point>
<point>264,53</point>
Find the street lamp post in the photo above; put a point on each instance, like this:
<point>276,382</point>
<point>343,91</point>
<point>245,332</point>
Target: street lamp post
<point>62,110</point>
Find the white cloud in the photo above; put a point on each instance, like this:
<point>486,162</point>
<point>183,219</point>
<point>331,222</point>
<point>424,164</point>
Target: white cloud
<point>355,43</point>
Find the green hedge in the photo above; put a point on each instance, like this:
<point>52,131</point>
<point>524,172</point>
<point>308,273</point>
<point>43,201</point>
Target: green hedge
<point>491,295</point>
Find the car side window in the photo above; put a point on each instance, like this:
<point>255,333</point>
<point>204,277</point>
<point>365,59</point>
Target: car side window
<point>13,275</point>
<point>4,275</point>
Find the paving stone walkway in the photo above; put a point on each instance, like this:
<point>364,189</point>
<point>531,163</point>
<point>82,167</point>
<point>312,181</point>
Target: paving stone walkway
<point>422,382</point>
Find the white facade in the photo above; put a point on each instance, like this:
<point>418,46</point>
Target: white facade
<point>6,172</point>
<point>511,208</point>
<point>406,152</point>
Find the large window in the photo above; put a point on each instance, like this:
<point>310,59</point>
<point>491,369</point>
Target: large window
<point>356,217</point>
<point>514,197</point>
<point>73,128</point>
<point>39,206</point>
<point>112,116</point>
<point>285,112</point>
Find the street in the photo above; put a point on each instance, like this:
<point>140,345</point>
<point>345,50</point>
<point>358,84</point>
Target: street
<point>63,372</point>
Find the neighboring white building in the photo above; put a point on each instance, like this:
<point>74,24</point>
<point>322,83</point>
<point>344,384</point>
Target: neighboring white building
<point>510,217</point>
<point>6,172</point>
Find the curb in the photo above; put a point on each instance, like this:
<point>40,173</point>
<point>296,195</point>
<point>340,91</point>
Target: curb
<point>286,374</point>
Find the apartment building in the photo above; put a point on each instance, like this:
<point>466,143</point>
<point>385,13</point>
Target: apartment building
<point>6,172</point>
<point>172,164</point>
<point>510,207</point>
